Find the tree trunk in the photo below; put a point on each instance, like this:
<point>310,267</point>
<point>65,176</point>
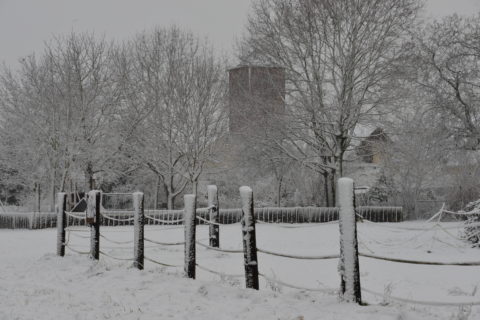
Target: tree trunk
<point>157,190</point>
<point>279,191</point>
<point>170,202</point>
<point>89,183</point>
<point>195,187</point>
<point>39,196</point>
<point>52,190</point>
<point>326,191</point>
<point>333,195</point>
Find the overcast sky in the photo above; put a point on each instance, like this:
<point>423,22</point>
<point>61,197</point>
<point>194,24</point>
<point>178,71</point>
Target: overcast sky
<point>26,24</point>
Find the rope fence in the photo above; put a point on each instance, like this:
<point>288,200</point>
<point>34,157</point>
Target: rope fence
<point>162,263</point>
<point>74,216</point>
<point>208,221</point>
<point>72,233</point>
<point>218,273</point>
<point>115,258</point>
<point>300,257</point>
<point>422,302</point>
<point>280,282</point>
<point>106,216</point>
<point>409,261</point>
<point>218,249</point>
<point>77,251</point>
<point>346,215</point>
<point>115,241</point>
<point>165,243</point>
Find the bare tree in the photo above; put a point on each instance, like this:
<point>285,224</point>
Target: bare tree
<point>82,68</point>
<point>337,55</point>
<point>177,82</point>
<point>64,105</point>
<point>446,54</point>
<point>414,156</point>
<point>30,124</point>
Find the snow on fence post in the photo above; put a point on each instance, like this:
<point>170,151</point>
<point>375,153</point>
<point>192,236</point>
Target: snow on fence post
<point>138,232</point>
<point>249,238</point>
<point>61,222</point>
<point>214,228</point>
<point>93,219</point>
<point>348,264</point>
<point>190,222</point>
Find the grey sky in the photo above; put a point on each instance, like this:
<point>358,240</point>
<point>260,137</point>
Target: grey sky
<point>26,24</point>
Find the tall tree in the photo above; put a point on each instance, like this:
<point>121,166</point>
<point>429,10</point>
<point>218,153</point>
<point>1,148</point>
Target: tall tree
<point>62,105</point>
<point>446,56</point>
<point>179,85</point>
<point>338,54</point>
<point>81,65</point>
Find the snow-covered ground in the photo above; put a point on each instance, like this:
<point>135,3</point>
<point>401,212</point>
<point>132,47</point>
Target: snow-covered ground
<point>36,284</point>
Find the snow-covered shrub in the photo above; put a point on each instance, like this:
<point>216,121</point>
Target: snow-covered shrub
<point>472,224</point>
<point>382,192</point>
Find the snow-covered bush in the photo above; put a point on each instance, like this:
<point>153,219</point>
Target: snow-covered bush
<point>472,224</point>
<point>382,192</point>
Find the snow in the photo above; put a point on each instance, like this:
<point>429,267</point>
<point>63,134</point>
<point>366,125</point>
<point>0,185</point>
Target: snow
<point>36,284</point>
<point>92,205</point>
<point>348,265</point>
<point>249,239</point>
<point>212,192</point>
<point>246,194</point>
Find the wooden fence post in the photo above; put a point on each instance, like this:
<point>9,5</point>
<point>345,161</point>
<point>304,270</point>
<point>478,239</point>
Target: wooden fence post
<point>190,223</point>
<point>139,222</point>
<point>249,238</point>
<point>93,219</point>
<point>214,229</point>
<point>61,223</point>
<point>348,266</point>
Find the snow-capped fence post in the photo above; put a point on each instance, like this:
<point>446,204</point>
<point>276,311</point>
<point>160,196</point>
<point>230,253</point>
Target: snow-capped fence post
<point>214,228</point>
<point>138,232</point>
<point>190,223</point>
<point>93,219</point>
<point>348,265</point>
<point>249,238</point>
<point>61,222</point>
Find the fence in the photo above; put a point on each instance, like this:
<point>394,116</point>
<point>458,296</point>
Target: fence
<point>225,216</point>
<point>347,214</point>
<point>28,220</point>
